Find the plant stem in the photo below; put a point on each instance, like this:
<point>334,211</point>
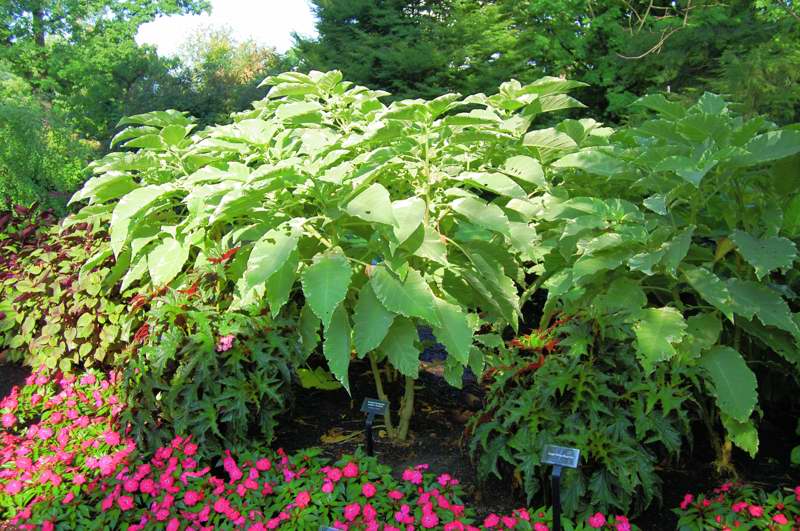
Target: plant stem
<point>376,374</point>
<point>406,409</point>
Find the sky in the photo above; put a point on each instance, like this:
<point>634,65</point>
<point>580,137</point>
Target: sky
<point>269,22</point>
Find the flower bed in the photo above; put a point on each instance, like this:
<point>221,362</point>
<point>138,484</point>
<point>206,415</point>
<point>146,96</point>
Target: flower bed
<point>734,506</point>
<point>65,464</point>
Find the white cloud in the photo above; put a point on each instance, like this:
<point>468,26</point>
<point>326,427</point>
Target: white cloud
<point>268,22</point>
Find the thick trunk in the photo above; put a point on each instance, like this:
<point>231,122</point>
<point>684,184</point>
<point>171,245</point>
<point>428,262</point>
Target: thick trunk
<point>38,24</point>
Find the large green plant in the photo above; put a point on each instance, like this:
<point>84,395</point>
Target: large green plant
<point>678,236</point>
<point>382,218</point>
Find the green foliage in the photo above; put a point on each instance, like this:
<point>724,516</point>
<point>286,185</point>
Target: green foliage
<point>588,394</point>
<point>748,50</point>
<point>332,198</point>
<point>672,236</point>
<point>219,375</point>
<point>58,308</point>
<point>39,158</point>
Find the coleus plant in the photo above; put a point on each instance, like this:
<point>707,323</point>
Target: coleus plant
<point>383,217</point>
<point>55,305</point>
<point>677,235</point>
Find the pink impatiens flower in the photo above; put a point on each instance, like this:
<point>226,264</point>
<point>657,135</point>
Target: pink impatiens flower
<point>780,519</point>
<point>13,487</point>
<point>225,343</point>
<point>430,520</point>
<point>597,520</point>
<point>368,490</point>
<point>302,499</point>
<point>687,500</point>
<point>350,470</point>
<point>8,420</point>
<point>756,511</point>
<point>491,521</point>
<point>351,511</point>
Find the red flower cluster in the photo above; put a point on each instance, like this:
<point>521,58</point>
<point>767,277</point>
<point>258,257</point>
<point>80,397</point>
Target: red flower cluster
<point>734,506</point>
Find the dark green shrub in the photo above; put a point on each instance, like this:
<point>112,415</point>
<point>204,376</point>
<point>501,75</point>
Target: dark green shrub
<point>585,394</point>
<point>207,369</point>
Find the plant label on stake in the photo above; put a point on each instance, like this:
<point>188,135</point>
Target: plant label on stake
<point>559,457</point>
<point>323,528</point>
<point>372,407</point>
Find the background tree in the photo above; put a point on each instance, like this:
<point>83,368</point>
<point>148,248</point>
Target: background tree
<point>747,50</point>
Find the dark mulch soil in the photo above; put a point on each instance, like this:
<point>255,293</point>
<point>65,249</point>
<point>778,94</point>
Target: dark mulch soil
<point>11,374</point>
<point>438,439</point>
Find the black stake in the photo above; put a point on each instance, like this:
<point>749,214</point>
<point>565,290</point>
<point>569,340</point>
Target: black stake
<point>372,407</point>
<point>559,457</point>
<point>555,478</point>
<point>370,418</point>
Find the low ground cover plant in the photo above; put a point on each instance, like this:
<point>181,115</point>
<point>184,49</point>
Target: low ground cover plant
<point>67,464</point>
<point>737,506</point>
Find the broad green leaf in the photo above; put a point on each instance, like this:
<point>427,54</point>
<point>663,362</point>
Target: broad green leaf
<point>767,254</point>
<point>657,203</point>
<point>494,182</point>
<point>734,382</point>
<point>409,214</point>
<point>711,289</point>
<point>689,170</point>
<point>702,333</point>
<point>105,187</point>
<point>371,321</point>
<point>742,434</point>
<point>772,145</point>
<point>591,264</point>
<point>319,378</point>
<point>752,298</point>
<point>130,205</point>
<point>400,348</point>
<point>173,134</point>
<point>325,284</point>
<point>336,347</point>
<point>433,248</point>
<point>645,262</point>
<point>660,104</point>
<point>373,204</point>
<point>482,214</point>
<point>280,283</point>
<point>779,342</point>
<point>309,330</point>
<point>623,294</point>
<point>269,254</point>
<point>675,250</point>
<point>657,331</point>
<point>524,168</point>
<point>293,110</point>
<point>151,141</point>
<point>548,142</point>
<point>455,332</point>
<point>411,298</point>
<point>592,161</point>
<point>791,217</point>
<point>166,260</point>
